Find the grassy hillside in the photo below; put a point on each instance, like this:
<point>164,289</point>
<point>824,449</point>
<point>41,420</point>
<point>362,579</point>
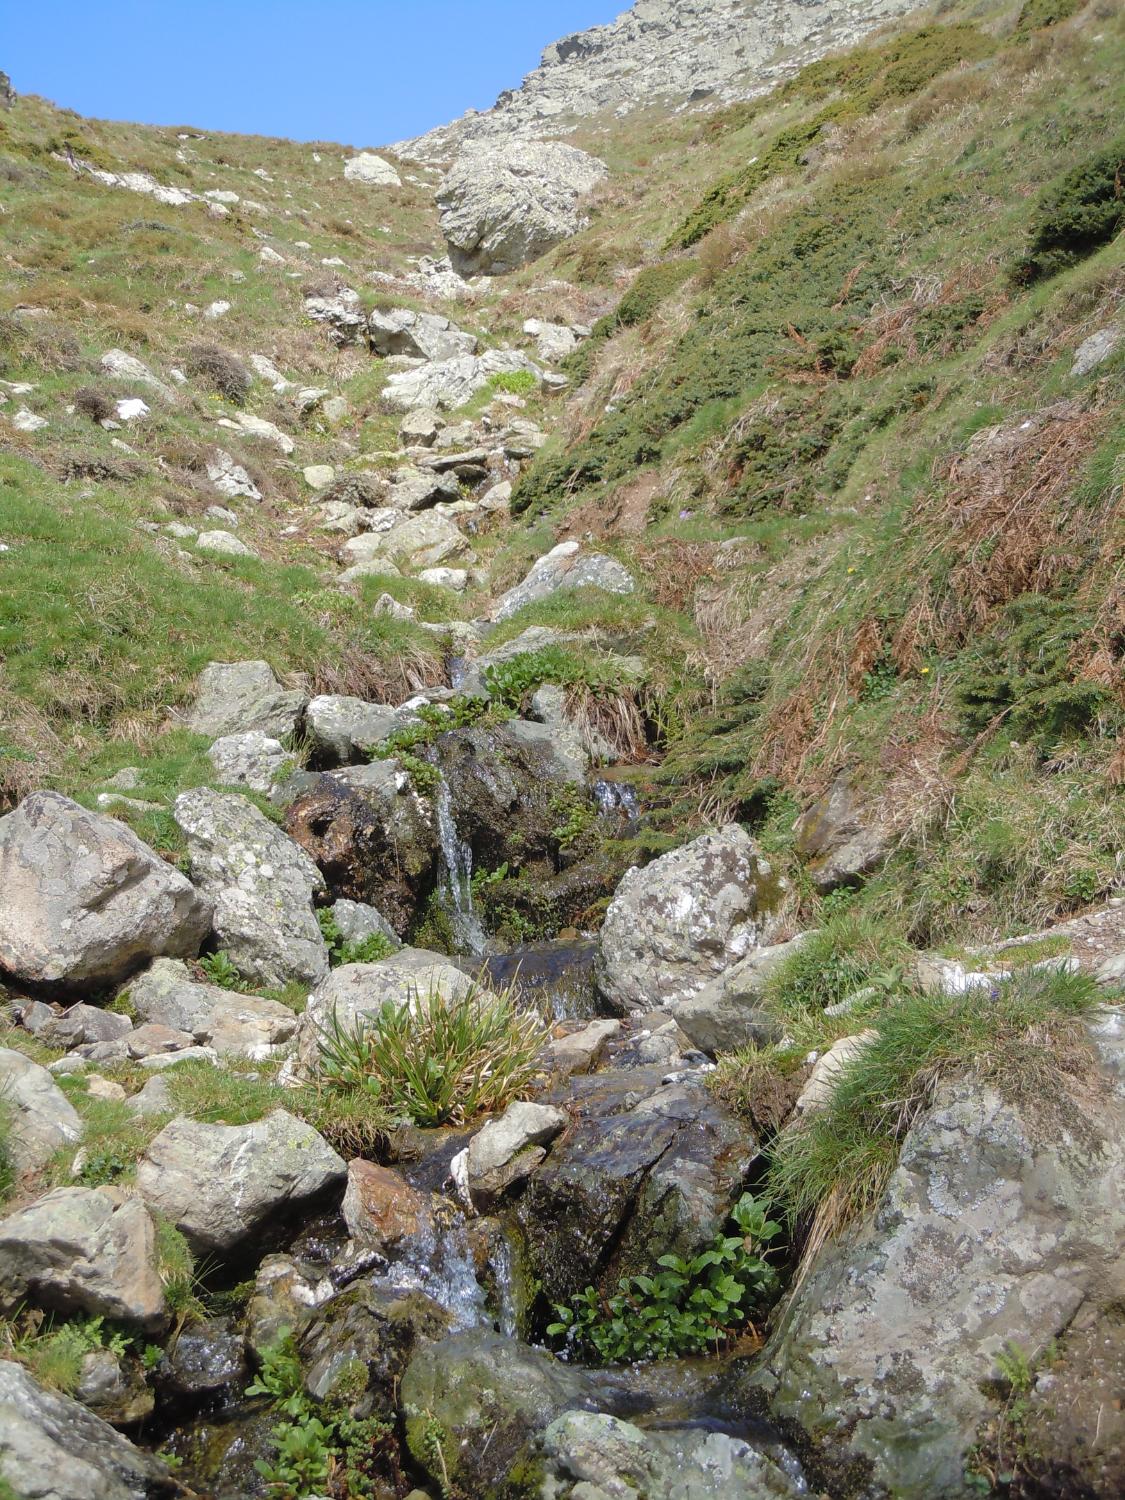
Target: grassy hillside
<point>826,416</point>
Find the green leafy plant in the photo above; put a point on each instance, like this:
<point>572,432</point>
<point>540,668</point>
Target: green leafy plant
<point>55,1352</point>
<point>366,950</point>
<point>219,969</point>
<point>687,1307</point>
<point>437,1058</point>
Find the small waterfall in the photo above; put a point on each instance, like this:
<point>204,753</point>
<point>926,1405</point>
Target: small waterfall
<point>457,877</point>
<point>617,800</point>
<point>441,1265</point>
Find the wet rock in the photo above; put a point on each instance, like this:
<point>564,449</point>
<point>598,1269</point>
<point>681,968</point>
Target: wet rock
<point>839,839</point>
<point>508,1149</point>
<point>383,1212</point>
<point>579,1051</point>
<point>253,759</point>
<point>372,837</point>
<point>284,1298</point>
<point>114,1389</point>
<point>357,990</point>
<point>506,203</point>
<point>41,1117</point>
<point>370,1329</point>
<point>677,924</point>
<point>603,1456</point>
<point>52,1448</point>
<point>1000,1224</point>
<point>262,885</point>
<point>246,1025</point>
<point>77,1250</point>
<point>345,730</point>
<point>477,1386</point>
<point>728,1012</point>
<point>221,1184</point>
<point>645,1170</point>
<point>83,901</point>
<point>239,696</point>
<point>204,1357</point>
<point>564,568</point>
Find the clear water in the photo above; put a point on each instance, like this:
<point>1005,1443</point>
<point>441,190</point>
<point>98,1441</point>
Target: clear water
<point>457,878</point>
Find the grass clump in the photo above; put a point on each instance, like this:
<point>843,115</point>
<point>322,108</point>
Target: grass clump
<point>54,1352</point>
<point>437,1059</point>
<point>688,1307</point>
<point>850,952</point>
<point>1025,1037</point>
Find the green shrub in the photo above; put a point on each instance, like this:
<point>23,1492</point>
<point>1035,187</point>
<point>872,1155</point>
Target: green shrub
<point>436,1059</point>
<point>1038,14</point>
<point>1026,1037</point>
<point>366,950</point>
<point>688,1307</point>
<point>218,968</point>
<point>512,681</point>
<point>1084,211</point>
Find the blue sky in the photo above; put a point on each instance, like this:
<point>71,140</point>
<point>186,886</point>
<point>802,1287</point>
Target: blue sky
<point>360,73</point>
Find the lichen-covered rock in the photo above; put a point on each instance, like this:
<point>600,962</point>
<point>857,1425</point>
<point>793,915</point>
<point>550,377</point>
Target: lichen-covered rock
<point>252,759</point>
<point>371,1328</point>
<point>565,567</point>
<point>236,697</point>
<point>82,1250</point>
<point>507,1149</point>
<point>52,1448</point>
<point>231,1023</point>
<point>505,204</point>
<point>412,539</point>
<point>83,901</point>
<point>449,383</point>
<point>262,885</point>
<point>1000,1224</point>
<point>476,1386</point>
<point>221,1184</point>
<point>420,335</point>
<point>343,730</point>
<point>679,922</point>
<point>728,1012</point>
<point>41,1118</point>
<point>372,837</point>
<point>374,170</point>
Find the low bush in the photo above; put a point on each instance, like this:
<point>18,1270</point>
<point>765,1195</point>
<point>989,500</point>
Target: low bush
<point>94,404</point>
<point>1082,212</point>
<point>220,370</point>
<point>687,1307</point>
<point>436,1059</point>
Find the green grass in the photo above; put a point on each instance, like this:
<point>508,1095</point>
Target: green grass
<point>1026,1038</point>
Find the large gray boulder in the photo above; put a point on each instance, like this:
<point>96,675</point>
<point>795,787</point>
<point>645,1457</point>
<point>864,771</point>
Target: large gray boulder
<point>564,568</point>
<point>1000,1225</point>
<point>449,383</point>
<point>234,1024</point>
<point>262,885</point>
<point>502,205</point>
<point>41,1119</point>
<point>52,1448</point>
<point>222,1184</point>
<point>356,991</point>
<point>342,730</point>
<point>729,1012</point>
<point>253,759</point>
<point>234,697</point>
<point>400,330</point>
<point>82,1250</point>
<point>83,901</point>
<point>687,1463</point>
<point>675,925</point>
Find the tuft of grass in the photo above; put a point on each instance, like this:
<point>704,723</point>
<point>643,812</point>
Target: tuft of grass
<point>55,1352</point>
<point>850,952</point>
<point>1026,1037</point>
<point>177,1270</point>
<point>436,1060</point>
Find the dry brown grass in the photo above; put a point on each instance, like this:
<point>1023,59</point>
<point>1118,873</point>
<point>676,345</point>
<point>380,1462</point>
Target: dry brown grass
<point>615,719</point>
<point>380,679</point>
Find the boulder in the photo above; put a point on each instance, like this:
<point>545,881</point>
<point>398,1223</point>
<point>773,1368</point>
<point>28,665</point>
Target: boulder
<point>41,1117</point>
<point>374,170</point>
<point>838,837</point>
<point>601,1455</point>
<point>262,884</point>
<point>577,743</point>
<point>646,1169</point>
<point>728,1013</point>
<point>70,1028</point>
<point>252,759</point>
<point>412,540</point>
<point>1001,1224</point>
<point>346,320</point>
<point>554,341</point>
<point>268,432</point>
<point>240,696</point>
<point>503,204</point>
<point>1096,350</point>
<point>355,991</point>
<point>318,476</point>
<point>384,1213</point>
<point>371,835</point>
<point>343,730</point>
<point>371,1327</point>
<point>82,1250</point>
<point>579,1051</point>
<point>449,383</point>
<point>242,1025</point>
<point>681,921</point>
<point>487,1398</point>
<point>563,568</point>
<point>223,1184</point>
<point>83,901</point>
<point>419,335</point>
<point>230,478</point>
<point>52,1448</point>
<point>417,489</point>
<point>356,921</point>
<point>508,1149</point>
<point>224,543</point>
<point>420,428</point>
<point>122,366</point>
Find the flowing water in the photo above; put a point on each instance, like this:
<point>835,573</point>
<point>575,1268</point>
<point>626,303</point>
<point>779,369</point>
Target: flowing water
<point>457,877</point>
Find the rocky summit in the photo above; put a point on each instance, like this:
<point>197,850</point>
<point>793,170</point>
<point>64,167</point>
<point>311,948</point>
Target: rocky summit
<point>562,777</point>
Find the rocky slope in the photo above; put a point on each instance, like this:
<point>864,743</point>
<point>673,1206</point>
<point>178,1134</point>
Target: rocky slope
<point>661,54</point>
